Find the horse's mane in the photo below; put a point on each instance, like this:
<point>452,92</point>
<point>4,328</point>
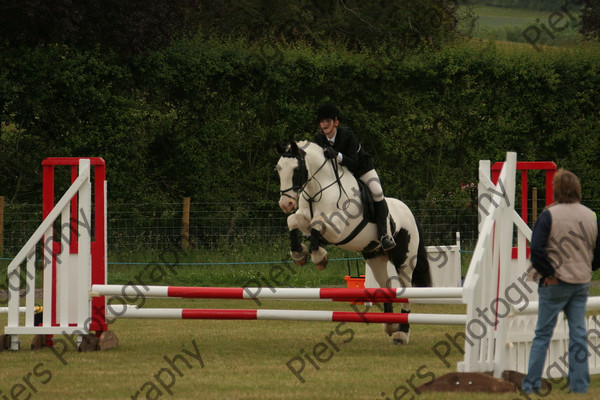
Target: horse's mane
<point>307,145</point>
<point>310,151</point>
<point>310,148</point>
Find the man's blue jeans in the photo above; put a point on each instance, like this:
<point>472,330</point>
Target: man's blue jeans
<point>572,299</point>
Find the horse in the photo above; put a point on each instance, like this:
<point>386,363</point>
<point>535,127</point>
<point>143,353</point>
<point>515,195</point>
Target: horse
<point>330,208</point>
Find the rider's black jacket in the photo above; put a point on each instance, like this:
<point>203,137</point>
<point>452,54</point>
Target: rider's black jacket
<point>354,156</point>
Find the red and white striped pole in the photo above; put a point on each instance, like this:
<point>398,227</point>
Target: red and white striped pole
<point>285,315</point>
<point>268,293</point>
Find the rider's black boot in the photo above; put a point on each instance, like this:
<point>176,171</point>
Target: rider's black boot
<point>381,216</point>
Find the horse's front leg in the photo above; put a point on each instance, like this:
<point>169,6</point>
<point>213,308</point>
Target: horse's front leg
<point>298,251</point>
<point>318,254</point>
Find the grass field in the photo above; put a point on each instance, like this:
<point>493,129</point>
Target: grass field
<point>244,359</point>
<point>520,25</point>
<point>497,17</point>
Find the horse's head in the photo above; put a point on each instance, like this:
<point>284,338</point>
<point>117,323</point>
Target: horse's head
<point>293,175</point>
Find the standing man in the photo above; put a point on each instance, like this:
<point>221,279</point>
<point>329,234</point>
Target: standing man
<point>565,248</point>
<point>341,143</point>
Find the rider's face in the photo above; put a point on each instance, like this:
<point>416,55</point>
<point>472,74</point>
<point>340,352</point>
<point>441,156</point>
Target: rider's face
<point>328,126</point>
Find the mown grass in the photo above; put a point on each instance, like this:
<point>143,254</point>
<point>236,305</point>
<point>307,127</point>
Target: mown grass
<point>244,359</point>
<point>522,25</point>
<point>240,265</point>
<point>496,17</point>
<point>249,360</point>
<point>235,265</point>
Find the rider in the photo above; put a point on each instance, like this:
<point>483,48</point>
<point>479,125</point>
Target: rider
<point>341,143</point>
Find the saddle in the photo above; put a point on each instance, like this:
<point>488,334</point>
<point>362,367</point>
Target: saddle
<point>366,199</point>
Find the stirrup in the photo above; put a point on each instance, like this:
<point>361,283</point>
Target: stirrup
<point>387,243</point>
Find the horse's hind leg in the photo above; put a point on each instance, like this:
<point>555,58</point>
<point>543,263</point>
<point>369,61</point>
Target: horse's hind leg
<point>381,274</point>
<point>402,333</point>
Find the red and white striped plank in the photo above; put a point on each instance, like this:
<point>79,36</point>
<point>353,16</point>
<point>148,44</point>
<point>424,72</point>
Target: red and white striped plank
<point>286,315</point>
<point>268,293</point>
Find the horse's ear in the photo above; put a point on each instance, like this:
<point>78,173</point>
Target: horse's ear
<point>294,147</point>
<point>279,148</point>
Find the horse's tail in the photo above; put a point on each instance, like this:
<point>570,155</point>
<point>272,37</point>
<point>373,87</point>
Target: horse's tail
<point>421,276</point>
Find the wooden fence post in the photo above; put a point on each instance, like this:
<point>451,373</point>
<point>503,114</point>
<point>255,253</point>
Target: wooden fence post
<point>1,225</point>
<point>185,224</point>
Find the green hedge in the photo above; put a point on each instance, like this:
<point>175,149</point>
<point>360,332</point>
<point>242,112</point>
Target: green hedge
<point>199,118</point>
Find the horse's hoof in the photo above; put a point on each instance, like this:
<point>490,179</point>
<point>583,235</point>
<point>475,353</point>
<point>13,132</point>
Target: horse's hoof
<point>301,261</point>
<point>400,338</point>
<point>389,329</point>
<point>323,263</point>
<point>300,257</point>
<point>320,258</point>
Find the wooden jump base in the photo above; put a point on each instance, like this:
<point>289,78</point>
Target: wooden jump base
<point>287,315</point>
<point>381,295</point>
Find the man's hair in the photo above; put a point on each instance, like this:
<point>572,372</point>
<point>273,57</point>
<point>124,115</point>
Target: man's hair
<point>567,188</point>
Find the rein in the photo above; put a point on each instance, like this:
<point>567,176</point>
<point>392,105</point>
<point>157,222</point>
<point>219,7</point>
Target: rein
<point>337,180</point>
<point>303,175</point>
<point>313,199</point>
<point>300,180</point>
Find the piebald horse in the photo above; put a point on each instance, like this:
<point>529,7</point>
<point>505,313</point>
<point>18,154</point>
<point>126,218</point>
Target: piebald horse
<point>329,207</point>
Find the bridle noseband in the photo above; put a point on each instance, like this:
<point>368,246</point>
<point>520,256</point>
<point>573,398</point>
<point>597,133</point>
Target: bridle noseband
<point>299,178</point>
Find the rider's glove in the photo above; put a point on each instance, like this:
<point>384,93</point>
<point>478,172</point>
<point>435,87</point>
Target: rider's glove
<point>330,152</point>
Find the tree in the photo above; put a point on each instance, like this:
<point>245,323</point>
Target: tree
<point>358,24</point>
<point>590,19</point>
<point>128,27</point>
<point>134,26</point>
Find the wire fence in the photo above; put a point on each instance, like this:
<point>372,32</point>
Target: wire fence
<point>139,227</point>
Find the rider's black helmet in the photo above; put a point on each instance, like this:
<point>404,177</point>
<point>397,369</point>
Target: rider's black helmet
<point>327,111</point>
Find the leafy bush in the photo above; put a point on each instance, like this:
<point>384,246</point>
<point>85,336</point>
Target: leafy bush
<point>199,118</point>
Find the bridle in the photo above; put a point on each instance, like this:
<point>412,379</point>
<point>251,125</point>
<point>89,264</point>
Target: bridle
<point>300,179</point>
